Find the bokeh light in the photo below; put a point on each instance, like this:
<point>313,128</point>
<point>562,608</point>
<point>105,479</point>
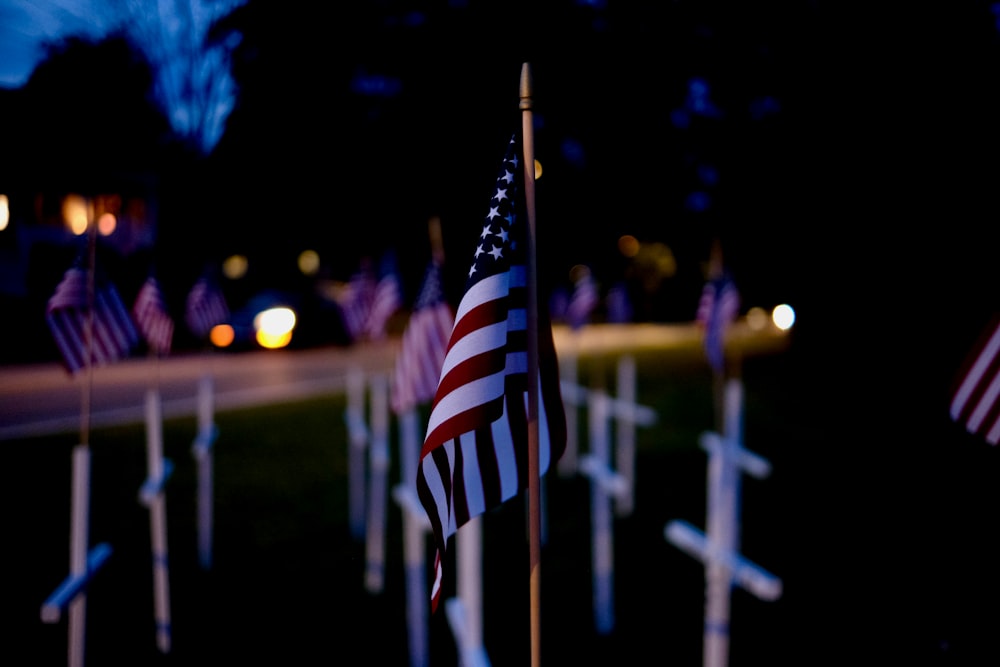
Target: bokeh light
<point>222,335</point>
<point>658,258</point>
<point>273,341</point>
<point>628,245</point>
<point>757,318</point>
<point>107,224</point>
<point>75,214</point>
<point>235,267</point>
<point>4,212</point>
<point>274,327</point>
<point>309,262</point>
<point>578,272</point>
<point>783,316</point>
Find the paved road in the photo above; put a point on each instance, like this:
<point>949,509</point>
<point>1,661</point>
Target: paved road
<point>45,399</point>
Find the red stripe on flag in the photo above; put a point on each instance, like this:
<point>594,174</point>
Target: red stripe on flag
<point>475,452</point>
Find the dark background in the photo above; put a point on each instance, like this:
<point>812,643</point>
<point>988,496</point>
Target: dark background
<point>867,202</point>
<point>867,189</point>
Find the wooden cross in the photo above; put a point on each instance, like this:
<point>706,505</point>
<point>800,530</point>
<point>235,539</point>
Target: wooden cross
<point>202,449</point>
<point>607,485</point>
<point>152,495</point>
<point>718,548</point>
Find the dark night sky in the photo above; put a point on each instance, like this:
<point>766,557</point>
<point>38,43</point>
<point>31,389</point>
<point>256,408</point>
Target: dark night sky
<point>607,82</point>
<point>868,187</point>
<point>874,172</point>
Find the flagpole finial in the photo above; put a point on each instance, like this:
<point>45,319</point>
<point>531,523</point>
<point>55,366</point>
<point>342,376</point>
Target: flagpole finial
<point>525,87</point>
<point>715,259</point>
<point>437,243</point>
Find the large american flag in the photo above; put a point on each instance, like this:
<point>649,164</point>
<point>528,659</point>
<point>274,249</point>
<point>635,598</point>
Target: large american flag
<point>976,397</point>
<point>205,307</point>
<point>387,298</point>
<point>425,339</point>
<point>717,310</point>
<point>114,333</point>
<point>475,452</point>
<point>151,316</point>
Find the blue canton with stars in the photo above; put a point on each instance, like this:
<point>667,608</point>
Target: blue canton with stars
<point>498,242</point>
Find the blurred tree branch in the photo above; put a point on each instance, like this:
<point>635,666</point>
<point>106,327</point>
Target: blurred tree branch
<point>191,62</point>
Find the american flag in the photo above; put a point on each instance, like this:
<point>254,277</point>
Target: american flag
<point>114,333</point>
<point>206,307</point>
<point>618,305</point>
<point>976,399</point>
<point>386,298</point>
<point>583,301</point>
<point>355,300</point>
<point>717,310</point>
<point>151,316</point>
<point>475,453</point>
<point>425,340</point>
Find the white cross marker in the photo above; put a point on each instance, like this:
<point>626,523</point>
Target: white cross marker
<point>719,547</point>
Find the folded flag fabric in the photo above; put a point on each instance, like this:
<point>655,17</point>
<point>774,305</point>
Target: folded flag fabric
<point>475,452</point>
<point>205,307</point>
<point>717,310</point>
<point>975,402</point>
<point>425,340</point>
<point>114,333</point>
<point>150,314</point>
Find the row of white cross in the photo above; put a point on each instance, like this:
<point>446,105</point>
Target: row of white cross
<point>368,468</point>
<point>612,493</point>
<point>85,561</point>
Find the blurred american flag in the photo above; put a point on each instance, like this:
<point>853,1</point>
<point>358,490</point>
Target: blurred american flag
<point>717,310</point>
<point>114,333</point>
<point>205,307</point>
<point>151,316</point>
<point>425,340</point>
<point>976,397</point>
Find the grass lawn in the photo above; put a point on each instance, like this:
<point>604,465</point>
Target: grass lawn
<point>286,584</point>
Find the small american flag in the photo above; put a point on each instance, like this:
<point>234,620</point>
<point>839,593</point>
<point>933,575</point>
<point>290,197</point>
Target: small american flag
<point>114,333</point>
<point>475,452</point>
<point>355,300</point>
<point>151,317</point>
<point>386,299</point>
<point>583,301</point>
<point>976,398</point>
<point>717,310</point>
<point>425,340</point>
<point>206,307</point>
<point>618,305</point>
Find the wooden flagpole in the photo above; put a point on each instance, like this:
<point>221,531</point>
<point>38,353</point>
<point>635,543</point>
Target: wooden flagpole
<point>715,268</point>
<point>88,332</point>
<point>534,480</point>
<point>80,529</point>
